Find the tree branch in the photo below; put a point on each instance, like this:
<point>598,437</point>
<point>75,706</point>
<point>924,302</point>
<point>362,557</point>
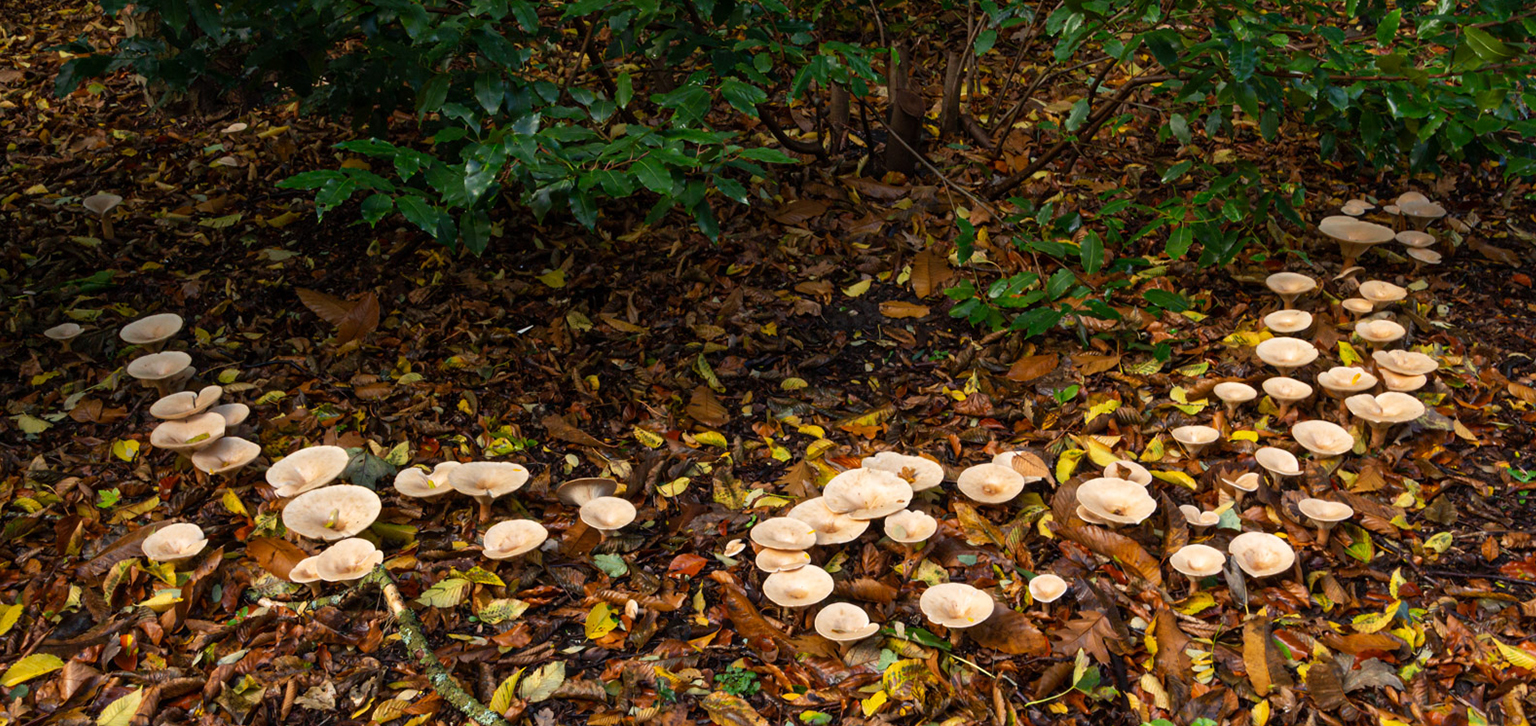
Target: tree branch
<point>765,114</point>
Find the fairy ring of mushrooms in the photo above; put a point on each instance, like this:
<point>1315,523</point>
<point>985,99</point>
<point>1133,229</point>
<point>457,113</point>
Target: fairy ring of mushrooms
<point>1197,517</point>
<point>160,369</point>
<point>1380,332</point>
<point>348,560</point>
<point>1233,394</point>
<point>1340,382</point>
<point>185,403</point>
<point>1381,294</point>
<point>1195,437</point>
<point>1047,588</point>
<point>1128,470</point>
<point>771,560</point>
<point>1286,322</point>
<point>1323,438</point>
<point>577,492</point>
<point>63,333</point>
<point>418,483</point>
<point>1279,462</point>
<point>784,533</point>
<point>1242,484</point>
<point>151,330</point>
<point>187,435</point>
<point>607,514</point>
<point>1354,236</point>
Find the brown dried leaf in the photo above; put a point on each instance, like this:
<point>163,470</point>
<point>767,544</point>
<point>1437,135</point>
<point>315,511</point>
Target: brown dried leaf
<point>871,189</point>
<point>129,545</point>
<point>930,270</point>
<point>867,589</point>
<point>330,308</point>
<point>1089,364</point>
<point>1087,633</point>
<point>1522,392</point>
<point>1171,660</point>
<point>978,529</point>
<point>1324,685</point>
<point>1011,632</point>
<point>897,309</point>
<point>559,428</point>
<point>1117,547</point>
<point>1031,367</point>
<point>274,555</point>
<point>361,320</point>
<point>706,408</point>
<point>798,211</point>
<point>1030,466</point>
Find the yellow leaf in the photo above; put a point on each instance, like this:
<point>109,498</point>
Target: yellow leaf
<point>872,704</point>
<point>480,575</point>
<point>121,711</point>
<point>1196,603</point>
<point>1347,354</point>
<point>649,439</point>
<point>502,699</point>
<point>1261,713</point>
<point>1100,409</point>
<point>389,710</point>
<point>1177,477</point>
<point>793,384</point>
<point>1244,435</point>
<point>818,447</point>
<point>675,487</point>
<point>1517,657</point>
<point>162,601</point>
<point>1155,450</point>
<point>600,621</point>
<point>9,614</point>
<point>1068,463</point>
<point>554,278</point>
<point>1375,622</point>
<point>233,504</point>
<point>857,288</point>
<point>1440,542</point>
<point>32,666</point>
<point>1099,453</point>
<point>712,438</point>
<point>1247,339</point>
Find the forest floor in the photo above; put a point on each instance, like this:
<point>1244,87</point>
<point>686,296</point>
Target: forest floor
<point>721,381</point>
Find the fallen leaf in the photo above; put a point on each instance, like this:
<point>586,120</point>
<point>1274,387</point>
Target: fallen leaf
<point>726,709</point>
<point>930,270</point>
<point>274,555</point>
<point>561,429</point>
<point>1011,632</point>
<point>1031,367</point>
<point>798,211</point>
<point>897,309</point>
<point>705,407</point>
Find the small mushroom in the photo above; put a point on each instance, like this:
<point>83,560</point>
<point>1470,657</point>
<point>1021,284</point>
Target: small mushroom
<point>866,493</point>
<point>1403,384</point>
<point>799,587</point>
<point>1381,294</point>
<point>1289,286</point>
<point>1324,514</point>
<point>101,204</point>
<point>577,492</point>
<point>1420,213</point>
<point>607,514</point>
<point>1233,394</point>
<point>784,533</point>
<point>771,560</point>
<point>348,560</point>
<point>174,542</point>
<point>417,483</point>
<point>1119,501</point>
<point>1357,306</point>
<point>1355,237</point>
<point>1423,257</point>
<point>306,469</point>
<point>63,332</point>
<point>1129,470</point>
<point>1323,438</point>
<point>956,605</point>
<point>1195,438</point>
<point>1261,554</point>
<point>225,456</point>
<point>1356,207</point>
<point>1405,362</point>
<point>1196,561</point>
<point>990,483</point>
<point>1286,322</point>
<point>487,480</point>
<point>831,528</point>
<point>909,526</point>
<point>1340,382</point>
<point>844,623</point>
<point>1286,354</point>
<point>736,547</point>
<point>332,513</point>
<point>1279,462</point>
<point>1198,518</point>
<point>1379,332</point>
<point>1242,484</point>
<point>513,537</point>
<point>186,403</point>
<point>1414,239</point>
<point>1286,392</point>
<point>1047,588</point>
<point>234,414</point>
<point>160,369</point>
<point>151,330</point>
<point>187,435</point>
<point>917,471</point>
<point>1383,411</point>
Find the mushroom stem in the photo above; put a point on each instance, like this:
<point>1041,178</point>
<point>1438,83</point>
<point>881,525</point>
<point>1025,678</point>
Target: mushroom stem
<point>1379,435</point>
<point>314,589</point>
<point>1323,528</point>
<point>1285,408</point>
<point>1194,584</point>
<point>1289,300</point>
<point>163,387</point>
<point>106,228</point>
<point>485,507</point>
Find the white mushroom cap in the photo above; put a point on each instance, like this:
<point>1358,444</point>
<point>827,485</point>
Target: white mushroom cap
<point>1286,353</point>
<point>1358,305</point>
<point>151,329</point>
<point>332,513</point>
<point>1117,500</point>
<point>1286,322</point>
<point>956,605</point>
<point>417,482</point>
<point>306,469</point>
<point>1277,461</point>
<point>844,622</point>
<point>159,366</point>
<point>607,514</point>
<point>62,331</point>
<point>1380,332</point>
<point>1405,362</point>
<point>1247,481</point>
<point>1346,379</point>
<point>1325,511</point>
<point>772,560</point>
<point>1356,207</point>
<point>1195,437</point>
<point>908,526</point>
<point>991,483</point>
<point>513,537</point>
<point>1089,517</point>
<point>1047,588</point>
<point>1414,239</point>
<point>577,492</point>
<point>1129,470</point>
<point>1385,408</point>
<point>306,570</point>
<point>185,403</point>
<point>831,527</point>
<point>1287,390</point>
<point>1409,198</point>
<point>867,493</point>
<point>1401,383</point>
<point>1290,285</point>
<point>228,454</point>
<point>1198,518</point>
<point>784,533</point>
<point>1261,554</point>
<point>101,202</point>
<point>234,413</point>
<point>488,478</point>
<point>921,473</point>
<point>188,434</point>
<point>1234,392</point>
<point>735,547</point>
<point>1380,292</point>
<point>1355,231</point>
<point>1198,560</point>
<point>174,542</point>
<point>1323,438</point>
<point>1425,210</point>
<point>1426,256</point>
<point>1391,209</point>
<point>799,587</point>
<point>347,560</point>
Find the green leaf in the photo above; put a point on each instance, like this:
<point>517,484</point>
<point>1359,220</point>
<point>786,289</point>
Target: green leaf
<point>1177,170</point>
<point>1180,128</point>
<point>612,565</point>
<point>1166,300</point>
<point>420,213</point>
<point>446,593</point>
<point>653,175</point>
<point>432,95</point>
<point>1060,283</point>
<point>1179,242</point>
<point>1092,252</point>
<point>375,207</point>
<point>1486,46</point>
<point>1078,115</point>
<point>626,89</point>
<point>1387,29</point>
<point>742,96</point>
<point>985,40</point>
<point>32,666</point>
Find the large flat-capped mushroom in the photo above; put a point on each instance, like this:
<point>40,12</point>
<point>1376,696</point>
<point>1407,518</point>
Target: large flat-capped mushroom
<point>990,483</point>
<point>1286,392</point>
<point>1287,322</point>
<point>1420,213</point>
<point>1129,470</point>
<point>1233,394</point>
<point>348,560</point>
<point>1381,294</point>
<point>418,483</point>
<point>784,533</point>
<point>919,472</point>
<point>1323,438</point>
<point>844,623</point>
<point>487,480</point>
<point>910,526</point>
<point>799,587</point>
<point>1047,588</point>
<point>1118,501</point>
<point>1384,411</point>
<point>771,560</point>
<point>1402,384</point>
<point>1380,332</point>
<point>956,605</point>
<point>1197,561</point>
<point>234,413</point>
<point>1261,554</point>
<point>151,330</point>
<point>306,469</point>
<point>1340,382</point>
<point>187,435</point>
<point>513,537</point>
<point>1405,362</point>
<point>174,542</point>
<point>867,493</point>
<point>1278,462</point>
<point>831,527</point>
<point>1324,514</point>
<point>1195,437</point>
<point>332,513</point>
<point>1289,286</point>
<point>577,492</point>
<point>607,514</point>
<point>1355,236</point>
<point>186,403</point>
<point>225,456</point>
<point>1286,354</point>
<point>160,369</point>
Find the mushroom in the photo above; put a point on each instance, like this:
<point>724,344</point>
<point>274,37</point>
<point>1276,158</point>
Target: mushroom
<point>1341,381</point>
<point>1033,463</point>
<point>990,483</point>
<point>1286,354</point>
<point>1323,438</point>
<point>1381,294</point>
<point>174,542</point>
<point>1289,286</point>
<point>1245,483</point>
<point>186,435</point>
<point>101,204</point>
<point>1356,207</point>
<point>1047,588</point>
<point>159,369</point>
<point>1405,362</point>
<point>784,533</point>
<point>234,414</point>
<point>348,560</point>
<point>831,527</point>
<point>186,403</point>
<point>1119,501</point>
<point>956,605</point>
<point>487,480</point>
<point>1383,411</point>
<point>1423,257</point>
<point>1285,322</point>
<point>1403,384</point>
<point>735,547</point>
<point>307,572</point>
<point>513,537</point>
<point>917,471</point>
<point>1279,462</point>
<point>1196,561</point>
<point>1357,306</point>
<point>799,587</point>
<point>867,493</point>
<point>332,513</point>
<point>1261,554</point>
<point>306,469</point>
<point>1198,518</point>
<point>1420,213</point>
<point>577,492</point>
<point>771,560</point>
<point>607,514</point>
<point>909,526</point>
<point>1286,392</point>
<point>225,456</point>
<point>1414,239</point>
<point>1195,438</point>
<point>1324,514</point>
<point>1379,332</point>
<point>1355,237</point>
<point>63,332</point>
<point>1233,394</point>
<point>844,623</point>
<point>151,330</point>
<point>1130,470</point>
<point>418,483</point>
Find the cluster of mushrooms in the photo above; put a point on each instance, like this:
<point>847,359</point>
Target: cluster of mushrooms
<point>1408,217</point>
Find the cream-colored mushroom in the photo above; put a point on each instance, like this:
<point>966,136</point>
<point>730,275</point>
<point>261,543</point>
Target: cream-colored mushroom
<point>1383,411</point>
<point>844,623</point>
<point>1286,354</point>
<point>513,537</point>
<point>160,369</point>
<point>306,571</point>
<point>577,492</point>
<point>332,513</point>
<point>1379,332</point>
<point>1119,501</point>
<point>1197,561</point>
<point>799,587</point>
<point>1047,588</point>
<point>772,560</point>
<point>1242,484</point>
<point>1286,322</point>
<point>1261,554</point>
<point>1358,306</point>
<point>307,469</point>
<point>1403,384</point>
<point>487,480</point>
<point>1356,207</point>
<point>1129,470</point>
<point>348,560</point>
<point>607,514</point>
<point>151,330</point>
<point>63,332</point>
<point>233,414</point>
<point>101,204</point>
<point>956,605</point>
<point>226,456</point>
<point>186,403</point>
<point>1323,438</point>
<point>187,435</point>
<point>1381,294</point>
<point>417,483</point>
<point>174,542</point>
<point>920,473</point>
<point>1414,239</point>
<point>1355,237</point>
<point>908,526</point>
<point>831,528</point>
<point>1286,392</point>
<point>1324,514</point>
<point>1278,462</point>
<point>1195,438</point>
<point>736,547</point>
<point>1233,394</point>
<point>990,483</point>
<point>1420,213</point>
<point>1424,257</point>
<point>1197,517</point>
<point>1289,286</point>
<point>1342,381</point>
<point>1405,362</point>
<point>784,533</point>
<point>866,493</point>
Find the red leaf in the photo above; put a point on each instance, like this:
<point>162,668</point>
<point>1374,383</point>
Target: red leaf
<point>686,565</point>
